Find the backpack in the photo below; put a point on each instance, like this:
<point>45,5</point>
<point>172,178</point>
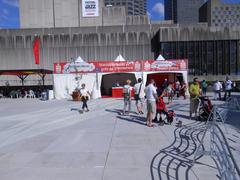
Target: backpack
<point>126,91</point>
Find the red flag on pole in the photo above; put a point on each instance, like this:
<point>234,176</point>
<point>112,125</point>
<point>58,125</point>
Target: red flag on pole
<point>36,45</point>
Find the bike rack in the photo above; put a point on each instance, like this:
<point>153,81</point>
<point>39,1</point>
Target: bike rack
<point>219,147</point>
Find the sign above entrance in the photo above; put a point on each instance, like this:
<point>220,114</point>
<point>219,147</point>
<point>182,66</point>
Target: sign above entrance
<point>124,66</point>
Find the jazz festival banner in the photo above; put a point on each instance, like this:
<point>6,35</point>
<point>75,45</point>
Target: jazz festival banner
<point>90,8</point>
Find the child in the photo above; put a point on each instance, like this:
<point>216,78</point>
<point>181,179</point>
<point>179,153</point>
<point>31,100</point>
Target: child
<point>170,93</point>
<point>161,108</point>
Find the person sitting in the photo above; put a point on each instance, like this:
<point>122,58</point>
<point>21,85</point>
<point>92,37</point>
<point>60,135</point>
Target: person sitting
<point>161,108</point>
<point>117,84</point>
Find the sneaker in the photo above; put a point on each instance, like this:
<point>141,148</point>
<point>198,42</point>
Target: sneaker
<point>161,123</point>
<point>80,111</point>
<point>87,110</point>
<point>179,124</point>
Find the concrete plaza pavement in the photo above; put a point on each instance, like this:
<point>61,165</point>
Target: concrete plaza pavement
<point>45,140</point>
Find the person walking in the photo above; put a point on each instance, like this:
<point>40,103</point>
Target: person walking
<point>84,93</point>
<point>177,88</point>
<point>194,91</point>
<point>228,88</point>
<point>127,97</point>
<point>217,86</point>
<point>170,93</point>
<point>139,95</point>
<point>204,87</point>
<point>165,84</point>
<point>151,95</point>
<point>183,89</point>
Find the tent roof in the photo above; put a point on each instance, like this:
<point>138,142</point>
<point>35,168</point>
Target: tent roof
<point>160,58</point>
<point>23,72</point>
<point>119,58</point>
<point>79,59</point>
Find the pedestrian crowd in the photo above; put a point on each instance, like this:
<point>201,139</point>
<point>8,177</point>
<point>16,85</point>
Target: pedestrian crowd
<point>153,97</point>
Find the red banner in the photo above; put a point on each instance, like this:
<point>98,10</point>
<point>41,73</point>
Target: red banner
<point>125,66</point>
<point>166,65</point>
<point>36,45</point>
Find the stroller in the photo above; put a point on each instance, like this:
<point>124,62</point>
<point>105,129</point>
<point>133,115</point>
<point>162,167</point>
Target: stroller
<point>205,108</point>
<point>162,109</point>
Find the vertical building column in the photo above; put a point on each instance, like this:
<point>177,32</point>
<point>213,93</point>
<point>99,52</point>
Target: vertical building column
<point>217,56</point>
<point>238,58</point>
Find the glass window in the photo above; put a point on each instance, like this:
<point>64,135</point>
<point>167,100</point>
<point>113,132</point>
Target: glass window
<point>210,57</point>
<point>181,50</point>
<point>219,56</point>
<point>233,57</point>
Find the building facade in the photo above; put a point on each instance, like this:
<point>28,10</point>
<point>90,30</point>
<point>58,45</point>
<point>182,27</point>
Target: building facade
<point>133,7</point>
<point>213,53</point>
<point>219,14</point>
<point>99,43</point>
<point>184,12</point>
<point>73,13</point>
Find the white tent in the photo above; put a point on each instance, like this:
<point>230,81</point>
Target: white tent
<point>79,60</point>
<point>160,58</point>
<point>65,84</point>
<point>119,58</point>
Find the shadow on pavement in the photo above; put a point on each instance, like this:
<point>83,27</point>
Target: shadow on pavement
<point>131,117</point>
<point>134,119</point>
<point>175,161</point>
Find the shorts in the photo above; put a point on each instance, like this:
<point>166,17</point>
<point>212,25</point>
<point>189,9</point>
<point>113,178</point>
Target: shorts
<point>194,105</point>
<point>151,106</point>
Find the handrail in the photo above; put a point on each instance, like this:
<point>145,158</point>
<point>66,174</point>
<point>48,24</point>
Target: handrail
<point>216,132</point>
<point>228,147</point>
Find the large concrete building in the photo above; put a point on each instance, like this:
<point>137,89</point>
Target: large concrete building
<point>216,13</point>
<point>211,51</point>
<point>73,13</point>
<point>138,7</point>
<point>182,11</point>
<point>61,44</point>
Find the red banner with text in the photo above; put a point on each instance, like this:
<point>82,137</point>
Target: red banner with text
<point>123,66</point>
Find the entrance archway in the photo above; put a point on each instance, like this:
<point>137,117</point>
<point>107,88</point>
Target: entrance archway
<point>109,81</point>
<point>159,77</point>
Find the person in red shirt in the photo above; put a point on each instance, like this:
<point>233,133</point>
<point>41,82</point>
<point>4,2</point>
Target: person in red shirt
<point>161,107</point>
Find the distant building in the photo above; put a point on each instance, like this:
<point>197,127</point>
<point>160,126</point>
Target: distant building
<point>78,13</point>
<point>138,7</point>
<point>212,53</point>
<point>183,11</point>
<point>216,13</point>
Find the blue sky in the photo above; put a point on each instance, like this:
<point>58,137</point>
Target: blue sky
<point>9,11</point>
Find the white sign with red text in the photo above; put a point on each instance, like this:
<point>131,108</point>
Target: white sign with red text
<point>90,8</point>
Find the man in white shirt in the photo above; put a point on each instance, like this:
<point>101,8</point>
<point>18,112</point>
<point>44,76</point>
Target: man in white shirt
<point>217,86</point>
<point>151,95</point>
<point>228,88</point>
<point>139,95</point>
